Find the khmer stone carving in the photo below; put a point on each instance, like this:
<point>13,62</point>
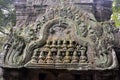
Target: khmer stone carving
<point>54,39</point>
<point>64,35</point>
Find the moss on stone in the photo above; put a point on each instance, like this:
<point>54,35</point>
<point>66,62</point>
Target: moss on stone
<point>2,41</point>
<point>116,12</point>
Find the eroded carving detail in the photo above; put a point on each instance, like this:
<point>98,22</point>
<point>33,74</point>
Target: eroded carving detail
<point>63,36</point>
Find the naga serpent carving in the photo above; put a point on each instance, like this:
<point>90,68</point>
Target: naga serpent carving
<point>84,29</point>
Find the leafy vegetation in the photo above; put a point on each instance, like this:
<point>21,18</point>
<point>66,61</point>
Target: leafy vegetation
<point>7,19</point>
<point>116,12</point>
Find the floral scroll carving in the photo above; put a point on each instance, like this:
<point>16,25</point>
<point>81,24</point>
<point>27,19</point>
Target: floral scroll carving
<point>64,36</point>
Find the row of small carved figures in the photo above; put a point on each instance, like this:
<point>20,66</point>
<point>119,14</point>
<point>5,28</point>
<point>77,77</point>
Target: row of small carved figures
<point>61,42</point>
<point>63,45</point>
<point>60,57</point>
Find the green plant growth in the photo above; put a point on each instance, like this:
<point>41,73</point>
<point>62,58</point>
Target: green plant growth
<point>2,41</point>
<point>116,12</point>
<point>7,19</point>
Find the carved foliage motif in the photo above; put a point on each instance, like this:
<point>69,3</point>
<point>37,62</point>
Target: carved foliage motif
<point>62,35</point>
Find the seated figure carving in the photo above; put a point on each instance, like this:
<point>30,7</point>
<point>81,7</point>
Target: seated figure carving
<point>75,41</point>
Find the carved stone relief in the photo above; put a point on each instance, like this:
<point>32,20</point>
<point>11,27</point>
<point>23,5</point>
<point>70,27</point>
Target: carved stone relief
<point>62,38</point>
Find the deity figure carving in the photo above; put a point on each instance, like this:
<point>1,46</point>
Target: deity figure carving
<point>64,37</point>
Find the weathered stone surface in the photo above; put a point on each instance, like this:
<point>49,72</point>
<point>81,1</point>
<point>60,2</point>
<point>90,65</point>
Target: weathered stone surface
<point>98,7</point>
<point>63,37</point>
<point>54,39</point>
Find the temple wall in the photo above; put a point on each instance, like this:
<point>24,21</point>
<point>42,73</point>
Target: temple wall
<point>31,8</point>
<point>26,8</point>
